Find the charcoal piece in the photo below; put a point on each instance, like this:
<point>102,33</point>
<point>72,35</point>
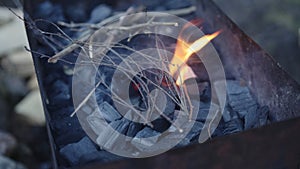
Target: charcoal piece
<point>73,152</point>
<point>59,93</point>
<point>76,11</point>
<point>122,125</point>
<point>109,137</point>
<point>263,115</point>
<point>226,115</point>
<point>99,13</point>
<point>133,129</point>
<point>150,5</point>
<point>160,124</point>
<point>49,11</point>
<point>233,126</point>
<point>195,131</point>
<point>240,99</point>
<point>65,125</point>
<point>99,156</point>
<point>204,110</point>
<point>256,118</point>
<point>145,138</point>
<point>177,4</point>
<point>108,112</point>
<point>96,122</point>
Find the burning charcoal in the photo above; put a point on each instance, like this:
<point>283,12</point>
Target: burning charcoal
<point>73,152</point>
<point>108,112</point>
<point>145,138</point>
<point>240,99</point>
<point>99,13</point>
<point>233,126</point>
<point>99,156</point>
<point>256,118</point>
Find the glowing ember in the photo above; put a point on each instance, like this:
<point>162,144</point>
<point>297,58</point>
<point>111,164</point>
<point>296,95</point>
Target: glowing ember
<point>183,52</point>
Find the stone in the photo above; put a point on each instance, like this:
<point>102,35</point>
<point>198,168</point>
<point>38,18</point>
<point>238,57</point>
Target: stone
<point>73,152</point>
<point>7,143</point>
<point>31,107</point>
<point>108,112</point>
<point>226,115</point>
<point>99,13</point>
<point>6,163</point>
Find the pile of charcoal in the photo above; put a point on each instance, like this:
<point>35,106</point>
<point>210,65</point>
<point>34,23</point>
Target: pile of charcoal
<point>242,111</point>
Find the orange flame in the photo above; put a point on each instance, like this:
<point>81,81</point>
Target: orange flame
<point>184,51</point>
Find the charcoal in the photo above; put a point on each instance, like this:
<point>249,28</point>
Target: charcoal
<point>142,144</point>
<point>99,13</point>
<point>60,93</point>
<point>263,115</point>
<point>240,99</point>
<point>65,125</point>
<point>76,11</point>
<point>108,112</point>
<point>150,5</point>
<point>99,156</point>
<point>73,152</point>
<point>195,131</point>
<point>160,124</point>
<point>226,115</point>
<point>233,126</point>
<point>96,122</point>
<point>110,135</point>
<point>133,129</point>
<point>177,4</point>
<point>204,110</point>
<point>256,118</point>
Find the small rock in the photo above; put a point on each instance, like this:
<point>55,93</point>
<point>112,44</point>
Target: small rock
<point>6,163</point>
<point>7,143</point>
<point>226,116</point>
<point>74,152</point>
<point>108,112</point>
<point>31,107</point>
<point>99,13</point>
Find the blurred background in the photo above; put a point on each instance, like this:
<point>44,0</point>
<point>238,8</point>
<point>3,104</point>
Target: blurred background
<point>273,24</point>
